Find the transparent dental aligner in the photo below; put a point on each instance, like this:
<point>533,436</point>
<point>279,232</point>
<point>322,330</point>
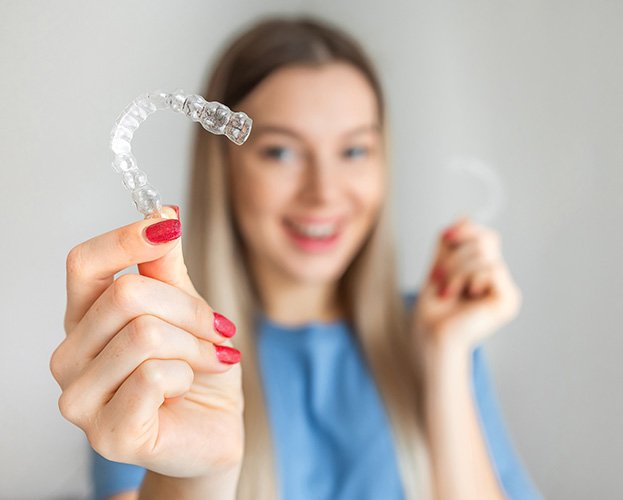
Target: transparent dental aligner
<point>213,116</point>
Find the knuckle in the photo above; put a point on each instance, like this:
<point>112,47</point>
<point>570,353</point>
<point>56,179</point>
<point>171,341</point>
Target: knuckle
<point>56,363</point>
<point>125,291</point>
<point>188,374</point>
<point>144,333</point>
<point>69,407</point>
<point>74,261</point>
<point>151,373</point>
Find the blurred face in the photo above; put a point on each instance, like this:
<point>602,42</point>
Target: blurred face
<point>308,184</point>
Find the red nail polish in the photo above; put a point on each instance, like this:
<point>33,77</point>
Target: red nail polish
<point>437,274</point>
<point>449,233</point>
<point>163,231</point>
<point>227,355</point>
<point>224,326</point>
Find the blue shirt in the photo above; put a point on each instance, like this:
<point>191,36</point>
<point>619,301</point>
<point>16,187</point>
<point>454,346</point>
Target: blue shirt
<point>330,430</point>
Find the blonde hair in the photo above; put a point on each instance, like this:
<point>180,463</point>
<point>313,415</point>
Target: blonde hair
<point>216,259</point>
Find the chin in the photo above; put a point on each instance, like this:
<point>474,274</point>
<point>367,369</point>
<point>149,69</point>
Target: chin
<point>317,277</point>
<point>316,270</point>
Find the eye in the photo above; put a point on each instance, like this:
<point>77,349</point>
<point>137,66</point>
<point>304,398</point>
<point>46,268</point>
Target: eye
<point>355,152</point>
<point>278,153</point>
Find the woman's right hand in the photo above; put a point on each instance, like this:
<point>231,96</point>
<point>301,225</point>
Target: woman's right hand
<point>143,369</point>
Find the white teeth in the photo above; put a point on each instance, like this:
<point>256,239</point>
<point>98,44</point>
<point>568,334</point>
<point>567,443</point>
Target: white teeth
<point>314,230</point>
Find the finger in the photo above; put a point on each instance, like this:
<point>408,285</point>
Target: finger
<point>91,266</point>
<point>466,230</point>
<point>143,338</point>
<point>481,282</point>
<point>477,249</point>
<point>170,268</point>
<point>444,245</point>
<point>455,226</point>
<point>474,242</point>
<point>457,282</point>
<point>450,260</point>
<point>129,422</point>
<point>132,295</point>
<point>458,230</point>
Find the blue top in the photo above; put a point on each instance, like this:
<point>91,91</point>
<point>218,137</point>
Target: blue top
<point>330,430</point>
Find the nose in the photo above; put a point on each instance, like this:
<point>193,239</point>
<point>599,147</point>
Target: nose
<point>320,184</point>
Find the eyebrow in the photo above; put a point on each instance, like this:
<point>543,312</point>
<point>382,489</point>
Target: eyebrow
<point>277,129</point>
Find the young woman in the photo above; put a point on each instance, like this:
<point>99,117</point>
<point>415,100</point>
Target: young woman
<point>349,390</point>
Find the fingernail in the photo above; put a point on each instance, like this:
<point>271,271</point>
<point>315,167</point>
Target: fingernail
<point>227,355</point>
<point>163,231</point>
<point>224,326</point>
<point>437,274</point>
<point>449,233</point>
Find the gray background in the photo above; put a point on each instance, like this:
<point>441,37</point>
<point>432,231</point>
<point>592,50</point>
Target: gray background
<point>532,89</point>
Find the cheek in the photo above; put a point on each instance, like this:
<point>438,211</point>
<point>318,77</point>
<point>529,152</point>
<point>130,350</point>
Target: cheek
<point>256,198</point>
<point>368,192</point>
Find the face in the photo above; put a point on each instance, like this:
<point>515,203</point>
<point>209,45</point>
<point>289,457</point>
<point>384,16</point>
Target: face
<point>308,184</point>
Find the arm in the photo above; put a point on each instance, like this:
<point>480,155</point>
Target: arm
<point>219,487</point>
<point>468,296</point>
<point>121,481</point>
<point>126,495</point>
<point>461,465</point>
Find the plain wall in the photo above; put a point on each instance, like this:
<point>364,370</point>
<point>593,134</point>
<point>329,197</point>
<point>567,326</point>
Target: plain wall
<point>531,89</point>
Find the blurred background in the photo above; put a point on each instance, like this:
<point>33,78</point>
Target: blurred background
<point>530,92</point>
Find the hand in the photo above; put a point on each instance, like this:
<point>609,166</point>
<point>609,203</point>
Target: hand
<point>469,293</point>
<point>143,369</point>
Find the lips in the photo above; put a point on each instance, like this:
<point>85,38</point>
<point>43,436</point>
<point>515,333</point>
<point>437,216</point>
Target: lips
<point>313,230</point>
<point>313,234</point>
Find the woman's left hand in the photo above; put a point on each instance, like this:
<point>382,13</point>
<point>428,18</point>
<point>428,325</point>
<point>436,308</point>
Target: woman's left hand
<point>469,293</point>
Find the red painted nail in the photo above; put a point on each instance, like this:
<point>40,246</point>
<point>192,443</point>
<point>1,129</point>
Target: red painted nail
<point>227,355</point>
<point>450,233</point>
<point>437,274</point>
<point>224,326</point>
<point>163,231</point>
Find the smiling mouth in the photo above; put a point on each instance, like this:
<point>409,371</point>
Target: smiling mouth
<point>318,231</point>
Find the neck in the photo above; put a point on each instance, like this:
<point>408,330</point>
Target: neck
<point>292,303</point>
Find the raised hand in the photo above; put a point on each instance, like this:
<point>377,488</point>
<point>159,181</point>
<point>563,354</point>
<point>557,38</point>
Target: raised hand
<point>146,368</point>
<point>469,293</point>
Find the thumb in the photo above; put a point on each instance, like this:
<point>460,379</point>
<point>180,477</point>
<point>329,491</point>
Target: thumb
<point>170,268</point>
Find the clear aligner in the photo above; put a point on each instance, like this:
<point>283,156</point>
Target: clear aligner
<point>213,116</point>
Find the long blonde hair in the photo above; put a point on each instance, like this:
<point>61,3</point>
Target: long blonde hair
<point>368,288</point>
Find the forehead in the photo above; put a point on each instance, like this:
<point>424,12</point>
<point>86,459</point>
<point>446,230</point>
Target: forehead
<point>314,101</point>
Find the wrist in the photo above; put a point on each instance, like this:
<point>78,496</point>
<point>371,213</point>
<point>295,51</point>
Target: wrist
<point>439,349</point>
<point>445,363</point>
<point>221,486</point>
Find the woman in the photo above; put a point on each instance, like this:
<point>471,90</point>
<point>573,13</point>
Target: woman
<point>350,392</point>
